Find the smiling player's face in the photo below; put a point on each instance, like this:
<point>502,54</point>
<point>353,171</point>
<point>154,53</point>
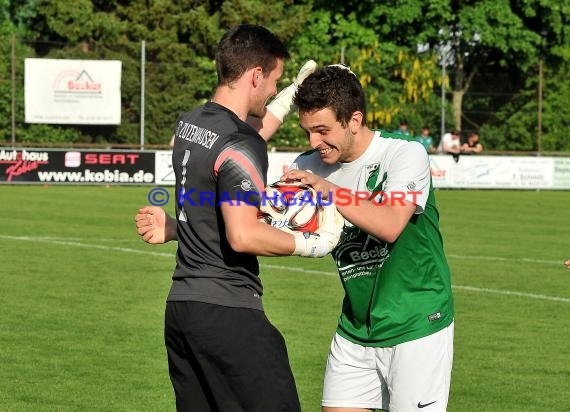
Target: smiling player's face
<point>334,141</point>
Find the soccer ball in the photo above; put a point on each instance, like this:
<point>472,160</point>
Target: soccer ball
<point>291,207</point>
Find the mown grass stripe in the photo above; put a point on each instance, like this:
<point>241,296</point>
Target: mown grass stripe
<point>288,268</point>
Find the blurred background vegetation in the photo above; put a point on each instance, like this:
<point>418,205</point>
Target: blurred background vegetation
<point>489,54</point>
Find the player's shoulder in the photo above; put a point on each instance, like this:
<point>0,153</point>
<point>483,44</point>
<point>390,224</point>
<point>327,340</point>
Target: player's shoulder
<point>393,135</point>
<point>308,153</point>
<point>394,141</point>
<point>403,150</point>
<point>235,132</point>
<point>308,159</point>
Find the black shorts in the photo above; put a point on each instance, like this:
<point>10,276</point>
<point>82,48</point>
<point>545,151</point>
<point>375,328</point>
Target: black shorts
<point>227,359</point>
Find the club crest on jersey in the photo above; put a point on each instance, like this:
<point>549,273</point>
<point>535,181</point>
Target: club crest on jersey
<point>372,183</point>
<point>372,175</point>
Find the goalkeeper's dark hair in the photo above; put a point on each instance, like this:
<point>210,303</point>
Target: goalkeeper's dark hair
<point>334,87</point>
<point>247,46</point>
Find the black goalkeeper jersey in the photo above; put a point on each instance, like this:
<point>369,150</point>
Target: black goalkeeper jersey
<point>216,158</point>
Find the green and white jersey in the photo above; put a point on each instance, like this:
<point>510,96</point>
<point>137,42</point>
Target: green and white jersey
<point>394,292</point>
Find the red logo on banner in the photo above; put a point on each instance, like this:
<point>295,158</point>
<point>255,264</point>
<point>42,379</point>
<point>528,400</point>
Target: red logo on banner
<point>111,159</point>
<point>21,167</point>
<point>22,162</point>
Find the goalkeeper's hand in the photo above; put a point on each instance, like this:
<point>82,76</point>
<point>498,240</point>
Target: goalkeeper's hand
<point>282,105</point>
<point>324,240</point>
<point>155,226</point>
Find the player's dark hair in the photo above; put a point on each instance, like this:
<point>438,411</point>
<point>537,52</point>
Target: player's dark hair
<point>247,46</point>
<point>332,87</point>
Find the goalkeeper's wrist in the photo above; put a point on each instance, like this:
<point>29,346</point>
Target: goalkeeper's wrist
<point>282,105</point>
<point>170,229</point>
<point>310,245</point>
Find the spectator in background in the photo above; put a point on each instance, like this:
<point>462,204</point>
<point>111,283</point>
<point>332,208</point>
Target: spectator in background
<point>451,144</point>
<point>426,140</point>
<point>472,144</point>
<point>403,128</point>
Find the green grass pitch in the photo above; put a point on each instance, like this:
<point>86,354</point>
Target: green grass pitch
<point>82,302</point>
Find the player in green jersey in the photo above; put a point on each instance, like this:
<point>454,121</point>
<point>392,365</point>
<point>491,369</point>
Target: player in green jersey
<point>394,344</point>
<point>426,140</point>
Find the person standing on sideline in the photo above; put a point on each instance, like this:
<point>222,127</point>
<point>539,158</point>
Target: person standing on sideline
<point>393,347</point>
<point>426,140</point>
<point>223,353</point>
<point>403,129</point>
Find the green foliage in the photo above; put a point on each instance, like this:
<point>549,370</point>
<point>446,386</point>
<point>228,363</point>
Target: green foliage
<point>290,136</point>
<point>518,129</point>
<point>41,133</point>
<point>495,47</point>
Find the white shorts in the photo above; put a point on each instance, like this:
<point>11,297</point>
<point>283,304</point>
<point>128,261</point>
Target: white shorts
<point>407,377</point>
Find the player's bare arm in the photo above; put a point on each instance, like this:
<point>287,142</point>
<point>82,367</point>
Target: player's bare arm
<point>386,222</point>
<point>248,235</point>
<point>155,226</point>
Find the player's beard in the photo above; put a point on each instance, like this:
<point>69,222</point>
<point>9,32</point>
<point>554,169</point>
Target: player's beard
<point>260,112</point>
<point>259,108</point>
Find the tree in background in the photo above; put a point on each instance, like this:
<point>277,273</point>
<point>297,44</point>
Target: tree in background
<point>494,49</point>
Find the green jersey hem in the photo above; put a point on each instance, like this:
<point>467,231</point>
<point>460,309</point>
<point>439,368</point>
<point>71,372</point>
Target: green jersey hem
<point>417,334</point>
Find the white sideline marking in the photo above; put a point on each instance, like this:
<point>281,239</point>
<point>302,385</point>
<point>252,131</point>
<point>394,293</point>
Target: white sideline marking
<point>86,245</point>
<point>469,288</point>
<point>53,240</point>
<point>511,293</point>
<point>503,259</point>
<point>77,239</point>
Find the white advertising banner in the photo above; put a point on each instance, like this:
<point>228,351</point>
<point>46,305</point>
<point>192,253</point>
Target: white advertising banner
<point>561,173</point>
<point>494,172</point>
<point>278,164</point>
<point>470,172</point>
<point>163,168</point>
<point>62,91</point>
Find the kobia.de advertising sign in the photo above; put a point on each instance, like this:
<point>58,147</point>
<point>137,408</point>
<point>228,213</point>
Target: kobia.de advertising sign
<point>62,91</point>
<point>51,166</point>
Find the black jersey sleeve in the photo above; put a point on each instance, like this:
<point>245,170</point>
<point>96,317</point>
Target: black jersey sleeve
<point>241,169</point>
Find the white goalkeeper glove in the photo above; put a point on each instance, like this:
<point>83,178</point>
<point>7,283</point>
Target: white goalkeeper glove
<point>321,242</point>
<point>282,105</point>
